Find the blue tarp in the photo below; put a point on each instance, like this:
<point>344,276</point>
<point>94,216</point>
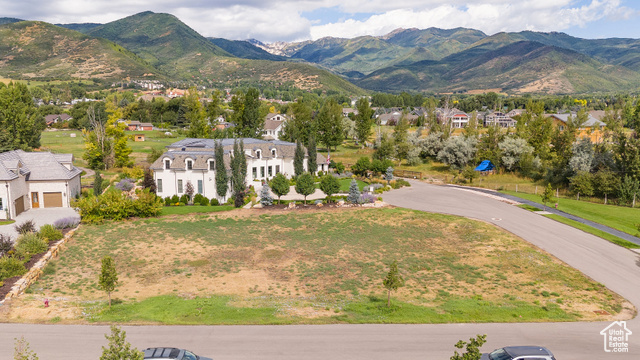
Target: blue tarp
<point>486,165</point>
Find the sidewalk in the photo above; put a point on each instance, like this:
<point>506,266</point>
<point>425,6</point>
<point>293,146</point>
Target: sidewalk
<point>551,210</point>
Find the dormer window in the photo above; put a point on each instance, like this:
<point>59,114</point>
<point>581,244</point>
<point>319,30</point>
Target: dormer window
<point>167,164</point>
<point>273,153</point>
<point>212,165</point>
<point>189,165</point>
<point>258,154</point>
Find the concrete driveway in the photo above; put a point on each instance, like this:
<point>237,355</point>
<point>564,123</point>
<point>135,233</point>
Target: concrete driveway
<point>40,217</point>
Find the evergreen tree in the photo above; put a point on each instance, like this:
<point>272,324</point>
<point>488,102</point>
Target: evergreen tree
<point>329,185</point>
<point>108,279</point>
<point>97,184</point>
<point>238,174</point>
<point>265,195</point>
<point>300,125</point>
<point>119,348</point>
<point>385,149</point>
<point>364,120</point>
<point>354,192</point>
<point>298,159</point>
<point>222,179</point>
<point>393,281</point>
<point>305,185</point>
<point>401,139</point>
<point>312,156</point>
<point>280,185</point>
<point>388,175</point>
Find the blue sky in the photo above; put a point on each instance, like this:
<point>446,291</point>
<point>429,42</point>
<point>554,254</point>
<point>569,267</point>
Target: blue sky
<point>292,20</point>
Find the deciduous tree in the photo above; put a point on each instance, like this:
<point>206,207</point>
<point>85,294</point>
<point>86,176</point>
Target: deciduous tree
<point>472,348</point>
<point>329,185</point>
<point>119,348</point>
<point>393,281</point>
<point>280,185</point>
<point>305,185</point>
<point>364,120</point>
<point>108,279</point>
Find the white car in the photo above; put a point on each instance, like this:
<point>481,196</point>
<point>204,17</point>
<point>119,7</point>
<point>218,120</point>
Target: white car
<point>519,353</point>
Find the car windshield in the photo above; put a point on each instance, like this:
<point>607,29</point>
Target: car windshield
<point>189,356</point>
<point>499,354</point>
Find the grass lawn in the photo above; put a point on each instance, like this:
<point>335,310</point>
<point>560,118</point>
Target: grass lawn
<point>594,231</point>
<point>345,184</point>
<point>62,142</point>
<point>6,222</point>
<point>193,209</point>
<point>618,217</point>
<point>314,266</point>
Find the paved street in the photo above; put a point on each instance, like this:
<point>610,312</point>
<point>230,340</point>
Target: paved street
<point>616,267</point>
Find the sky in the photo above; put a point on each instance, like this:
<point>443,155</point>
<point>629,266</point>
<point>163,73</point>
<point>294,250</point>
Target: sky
<point>294,20</point>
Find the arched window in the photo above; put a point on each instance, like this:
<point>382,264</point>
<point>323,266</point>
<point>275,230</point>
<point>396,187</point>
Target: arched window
<point>212,165</point>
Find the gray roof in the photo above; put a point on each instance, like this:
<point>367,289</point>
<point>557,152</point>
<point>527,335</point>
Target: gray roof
<point>37,166</point>
<point>591,121</point>
<point>201,150</point>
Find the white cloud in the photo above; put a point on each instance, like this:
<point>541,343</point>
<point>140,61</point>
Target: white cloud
<point>488,16</point>
<point>271,20</point>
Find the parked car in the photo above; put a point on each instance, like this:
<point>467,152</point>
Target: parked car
<point>519,353</point>
<point>171,354</point>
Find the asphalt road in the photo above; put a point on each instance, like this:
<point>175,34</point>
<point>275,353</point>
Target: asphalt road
<point>609,264</point>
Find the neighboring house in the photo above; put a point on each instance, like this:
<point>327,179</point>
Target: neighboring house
<point>592,128</point>
<point>138,126</point>
<point>457,118</point>
<point>276,117</point>
<point>36,180</point>
<point>498,118</point>
<point>394,117</point>
<point>346,111</point>
<point>193,160</point>
<point>515,112</point>
<point>272,129</point>
<point>56,118</point>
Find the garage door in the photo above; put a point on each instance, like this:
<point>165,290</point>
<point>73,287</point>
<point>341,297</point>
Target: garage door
<point>52,199</point>
<point>19,205</point>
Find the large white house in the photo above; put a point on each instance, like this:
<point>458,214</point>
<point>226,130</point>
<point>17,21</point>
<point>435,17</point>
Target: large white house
<point>193,161</point>
<point>36,180</point>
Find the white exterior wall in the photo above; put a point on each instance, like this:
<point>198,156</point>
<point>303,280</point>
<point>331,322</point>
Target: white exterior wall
<point>68,191</point>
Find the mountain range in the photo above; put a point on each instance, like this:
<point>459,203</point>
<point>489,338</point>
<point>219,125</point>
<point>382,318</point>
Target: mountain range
<point>151,45</point>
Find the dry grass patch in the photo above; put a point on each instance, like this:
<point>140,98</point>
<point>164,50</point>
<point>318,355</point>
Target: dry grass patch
<point>312,265</point>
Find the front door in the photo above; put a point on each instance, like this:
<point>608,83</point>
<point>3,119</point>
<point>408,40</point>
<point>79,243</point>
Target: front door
<point>35,202</point>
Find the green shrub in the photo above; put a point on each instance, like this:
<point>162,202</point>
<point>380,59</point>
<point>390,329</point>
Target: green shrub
<point>175,199</point>
<point>30,244</point>
<point>167,201</point>
<point>50,233</point>
<point>147,204</point>
<point>115,205</point>
<point>204,201</point>
<point>215,202</point>
<point>184,199</point>
<point>10,267</point>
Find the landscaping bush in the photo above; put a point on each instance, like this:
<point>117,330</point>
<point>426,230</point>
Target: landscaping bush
<point>136,173</point>
<point>26,227</point>
<point>147,204</point>
<point>204,201</point>
<point>354,192</point>
<point>215,202</point>
<point>125,184</point>
<point>66,223</point>
<point>117,206</point>
<point>184,199</point>
<point>30,244</point>
<point>167,201</point>
<point>367,199</point>
<point>197,198</point>
<point>50,233</point>
<point>175,199</point>
<point>265,196</point>
<point>6,244</point>
<point>10,267</point>
<point>401,183</point>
